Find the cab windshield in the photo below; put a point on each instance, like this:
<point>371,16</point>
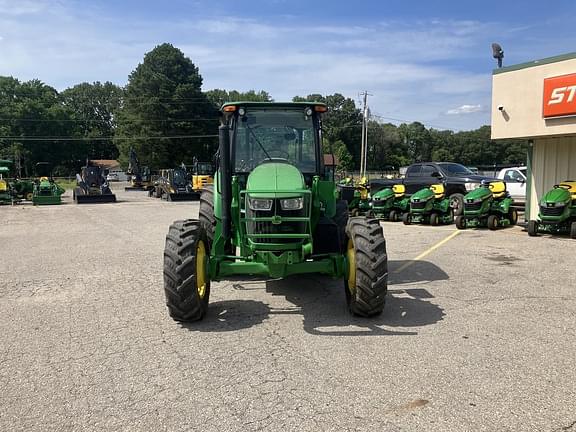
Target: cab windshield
<point>180,177</point>
<point>266,134</point>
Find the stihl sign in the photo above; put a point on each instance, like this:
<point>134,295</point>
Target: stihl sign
<point>560,96</point>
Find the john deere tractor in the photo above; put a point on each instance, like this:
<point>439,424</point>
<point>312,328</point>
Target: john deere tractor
<point>272,212</point>
<point>488,205</point>
<point>46,190</point>
<point>390,203</point>
<point>429,206</point>
<point>557,213</point>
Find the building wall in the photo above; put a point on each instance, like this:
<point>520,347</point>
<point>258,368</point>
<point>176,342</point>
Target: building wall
<point>553,160</point>
<point>520,91</point>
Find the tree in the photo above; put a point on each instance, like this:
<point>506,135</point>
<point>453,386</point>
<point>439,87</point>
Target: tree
<point>94,108</point>
<point>218,97</point>
<point>166,118</point>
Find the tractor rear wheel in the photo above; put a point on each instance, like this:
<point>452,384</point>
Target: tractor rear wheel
<point>341,220</point>
<point>460,222</point>
<point>186,280</point>
<point>573,230</point>
<point>532,228</point>
<point>492,222</point>
<point>206,212</point>
<point>367,282</point>
<point>513,216</point>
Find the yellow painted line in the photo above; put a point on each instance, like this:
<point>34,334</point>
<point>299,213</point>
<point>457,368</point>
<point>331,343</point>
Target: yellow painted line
<point>427,252</point>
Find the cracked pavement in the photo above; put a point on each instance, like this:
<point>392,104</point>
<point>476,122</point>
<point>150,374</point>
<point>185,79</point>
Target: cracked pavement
<point>478,336</point>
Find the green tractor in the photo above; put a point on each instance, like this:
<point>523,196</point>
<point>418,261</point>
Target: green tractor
<point>557,213</point>
<point>390,203</point>
<point>273,212</point>
<point>5,195</point>
<point>429,206</point>
<point>489,205</point>
<point>46,190</point>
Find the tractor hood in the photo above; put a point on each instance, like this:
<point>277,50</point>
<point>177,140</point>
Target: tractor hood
<point>557,195</point>
<point>273,176</point>
<point>422,195</point>
<point>478,194</point>
<point>383,194</point>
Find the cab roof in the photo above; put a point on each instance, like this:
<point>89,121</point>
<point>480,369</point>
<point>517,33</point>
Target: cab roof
<point>273,104</point>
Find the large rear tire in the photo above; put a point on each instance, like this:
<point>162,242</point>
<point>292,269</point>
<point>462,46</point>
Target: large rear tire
<point>206,212</point>
<point>532,228</point>
<point>367,282</point>
<point>186,280</point>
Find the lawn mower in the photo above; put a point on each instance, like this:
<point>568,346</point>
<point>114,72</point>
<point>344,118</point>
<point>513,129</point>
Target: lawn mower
<point>557,213</point>
<point>46,190</point>
<point>429,205</point>
<point>356,195</point>
<point>272,212</point>
<point>5,195</point>
<point>389,203</point>
<point>489,205</point>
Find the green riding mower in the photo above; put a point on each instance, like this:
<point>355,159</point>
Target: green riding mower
<point>22,190</point>
<point>429,206</point>
<point>273,212</point>
<point>390,203</point>
<point>92,187</point>
<point>46,190</point>
<point>557,213</point>
<point>489,205</point>
<point>5,195</point>
<point>356,195</point>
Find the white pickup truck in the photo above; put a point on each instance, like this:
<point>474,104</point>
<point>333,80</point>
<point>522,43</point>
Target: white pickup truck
<point>515,179</point>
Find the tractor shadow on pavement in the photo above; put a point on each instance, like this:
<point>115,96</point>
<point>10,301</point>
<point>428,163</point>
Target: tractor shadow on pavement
<point>321,301</point>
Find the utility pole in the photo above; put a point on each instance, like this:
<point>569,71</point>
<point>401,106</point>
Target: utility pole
<point>364,145</point>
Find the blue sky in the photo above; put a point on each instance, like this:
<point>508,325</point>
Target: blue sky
<point>427,61</point>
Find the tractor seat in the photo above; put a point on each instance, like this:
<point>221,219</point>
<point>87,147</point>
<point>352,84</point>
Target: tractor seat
<point>438,190</point>
<point>570,186</point>
<point>498,189</point>
<point>399,190</point>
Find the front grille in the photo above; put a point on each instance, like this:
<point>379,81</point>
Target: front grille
<point>267,227</point>
<point>551,211</point>
<point>419,205</point>
<point>472,206</point>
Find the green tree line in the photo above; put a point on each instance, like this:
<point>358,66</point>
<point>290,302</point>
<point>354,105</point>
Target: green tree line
<point>165,116</point>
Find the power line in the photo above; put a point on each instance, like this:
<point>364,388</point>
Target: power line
<point>15,138</point>
<point>95,120</point>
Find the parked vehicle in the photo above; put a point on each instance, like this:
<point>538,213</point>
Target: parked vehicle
<point>457,180</point>
<point>490,206</point>
<point>389,203</point>
<point>557,213</point>
<point>515,179</point>
<point>429,206</point>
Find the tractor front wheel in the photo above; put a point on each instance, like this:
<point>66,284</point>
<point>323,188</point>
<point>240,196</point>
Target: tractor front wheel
<point>434,219</point>
<point>186,280</point>
<point>367,282</point>
<point>573,230</point>
<point>460,222</point>
<point>532,228</point>
<point>492,222</point>
<point>393,216</point>
<point>406,219</point>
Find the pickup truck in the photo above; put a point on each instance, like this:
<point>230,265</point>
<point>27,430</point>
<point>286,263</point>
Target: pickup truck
<point>515,179</point>
<point>457,180</point>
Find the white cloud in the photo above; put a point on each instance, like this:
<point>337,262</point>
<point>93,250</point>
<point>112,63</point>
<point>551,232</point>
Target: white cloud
<point>465,109</point>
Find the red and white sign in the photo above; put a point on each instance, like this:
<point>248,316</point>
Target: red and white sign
<point>559,96</point>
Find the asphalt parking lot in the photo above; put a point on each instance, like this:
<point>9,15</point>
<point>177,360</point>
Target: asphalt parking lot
<point>478,333</point>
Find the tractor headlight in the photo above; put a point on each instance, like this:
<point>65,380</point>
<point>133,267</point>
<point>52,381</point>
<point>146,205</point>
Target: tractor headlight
<point>292,203</point>
<point>260,204</point>
<point>471,186</point>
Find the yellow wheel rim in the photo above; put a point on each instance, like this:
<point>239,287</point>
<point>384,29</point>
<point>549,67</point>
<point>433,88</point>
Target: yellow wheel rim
<point>351,266</point>
<point>201,269</point>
